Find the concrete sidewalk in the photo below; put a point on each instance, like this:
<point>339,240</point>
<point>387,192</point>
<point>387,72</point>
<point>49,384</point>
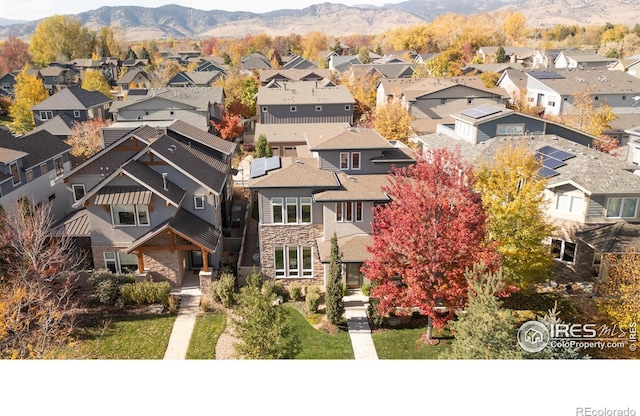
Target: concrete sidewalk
<point>183,326</point>
<point>355,307</point>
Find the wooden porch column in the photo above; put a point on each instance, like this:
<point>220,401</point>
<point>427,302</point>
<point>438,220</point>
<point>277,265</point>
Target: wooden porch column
<point>205,260</point>
<point>140,261</point>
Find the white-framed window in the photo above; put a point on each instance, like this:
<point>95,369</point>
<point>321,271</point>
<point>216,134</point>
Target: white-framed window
<point>129,215</point>
<point>15,173</point>
<point>344,160</point>
<point>347,108</point>
<point>293,261</point>
<point>46,115</point>
<point>58,166</point>
<point>76,114</point>
<point>119,262</point>
<point>569,203</point>
<point>348,211</point>
<point>305,210</point>
<point>509,129</point>
<point>293,108</point>
<point>90,113</point>
<point>597,259</point>
<point>29,175</point>
<point>355,160</point>
<point>622,207</point>
<point>43,168</point>
<point>277,210</point>
<point>198,201</point>
<point>563,250</point>
<point>318,108</point>
<point>291,209</point>
<point>78,191</point>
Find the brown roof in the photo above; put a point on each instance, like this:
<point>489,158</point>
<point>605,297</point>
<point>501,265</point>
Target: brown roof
<point>297,133</point>
<point>356,188</point>
<point>304,92</point>
<point>123,195</point>
<point>348,138</point>
<point>619,237</point>
<point>353,248</point>
<point>296,173</point>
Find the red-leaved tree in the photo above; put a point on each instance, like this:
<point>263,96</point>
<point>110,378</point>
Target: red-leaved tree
<point>425,239</point>
<point>14,54</point>
<point>230,125</point>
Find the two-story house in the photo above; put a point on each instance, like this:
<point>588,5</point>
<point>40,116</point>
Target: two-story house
<point>135,78</point>
<point>75,102</point>
<point>195,106</point>
<point>577,59</point>
<point>585,188</point>
<point>193,79</point>
<point>33,166</point>
<point>156,201</point>
<point>268,75</point>
<point>332,186</point>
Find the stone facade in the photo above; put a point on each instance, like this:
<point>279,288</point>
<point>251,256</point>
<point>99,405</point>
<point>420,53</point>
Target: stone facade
<point>582,268</point>
<point>290,235</point>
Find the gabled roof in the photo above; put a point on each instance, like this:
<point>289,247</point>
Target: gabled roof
<point>199,166</point>
<point>391,70</point>
<point>199,98</point>
<point>39,146</point>
<point>52,71</point>
<point>60,125</point>
<point>351,138</point>
<point>304,92</point>
<point>188,226</point>
<point>600,81</point>
<point>223,146</point>
<point>267,75</point>
<point>427,86</point>
<point>72,98</point>
<point>131,75</point>
<point>197,78</point>
<point>255,61</point>
<point>154,181</point>
<point>296,173</point>
<point>356,188</point>
<point>298,132</point>
<point>299,62</point>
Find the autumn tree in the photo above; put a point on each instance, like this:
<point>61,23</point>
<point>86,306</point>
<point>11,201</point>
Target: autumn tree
<point>618,290</point>
<point>240,91</point>
<point>393,120</point>
<point>14,55</point>
<point>60,38</point>
<point>36,305</point>
<point>520,103</point>
<point>484,330</point>
<point>262,328</point>
<point>29,91</point>
<point>513,197</point>
<point>312,43</point>
<point>230,125</point>
<point>586,116</point>
<point>489,78</point>
<point>425,239</point>
<point>84,138</point>
<point>263,149</point>
<point>94,80</point>
<point>514,27</point>
<point>335,305</point>
<point>362,86</point>
<point>446,64</point>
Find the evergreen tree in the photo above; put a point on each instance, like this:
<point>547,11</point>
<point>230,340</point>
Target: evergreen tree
<point>484,330</point>
<point>500,55</point>
<point>262,147</point>
<point>131,55</point>
<point>335,305</point>
<point>559,351</point>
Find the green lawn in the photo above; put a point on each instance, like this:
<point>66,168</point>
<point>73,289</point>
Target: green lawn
<point>123,337</point>
<point>206,332</point>
<point>318,345</point>
<point>405,344</point>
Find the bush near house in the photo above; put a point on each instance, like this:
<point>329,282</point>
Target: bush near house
<point>106,285</point>
<point>146,293</point>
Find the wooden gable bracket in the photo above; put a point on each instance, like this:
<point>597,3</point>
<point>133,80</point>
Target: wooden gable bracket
<point>85,204</point>
<point>171,240</point>
<point>105,208</point>
<point>150,207</point>
<point>65,180</point>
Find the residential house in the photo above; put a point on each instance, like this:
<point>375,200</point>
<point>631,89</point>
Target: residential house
<point>254,62</point>
<point>330,187</point>
<point>514,82</point>
<point>383,70</point>
<point>8,82</point>
<point>577,59</point>
<point>585,188</point>
<point>156,201</point>
<point>340,63</point>
<point>285,138</point>
<point>55,78</point>
<point>545,58</point>
<point>209,64</point>
<point>268,75</point>
<point>294,61</point>
<point>33,166</point>
<point>630,65</point>
<point>554,91</point>
<point>193,79</point>
<point>423,58</point>
<point>477,69</point>
<point>134,78</point>
<point>304,102</point>
<point>196,106</point>
<point>59,126</point>
<point>430,100</point>
<point>131,64</point>
<point>76,102</point>
<point>520,55</point>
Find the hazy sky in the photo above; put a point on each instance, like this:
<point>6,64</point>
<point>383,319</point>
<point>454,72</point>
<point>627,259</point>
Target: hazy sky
<point>38,9</point>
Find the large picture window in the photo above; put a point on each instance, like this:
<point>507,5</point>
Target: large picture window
<point>622,207</point>
<point>276,208</point>
<point>569,203</point>
<point>293,261</point>
<point>563,250</point>
<point>348,211</point>
<point>129,215</point>
<point>118,262</point>
<point>291,210</point>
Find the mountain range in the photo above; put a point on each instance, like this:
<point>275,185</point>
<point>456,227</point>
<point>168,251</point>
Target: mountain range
<point>173,21</point>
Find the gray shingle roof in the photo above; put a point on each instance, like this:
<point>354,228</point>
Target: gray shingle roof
<point>296,175</point>
<point>353,248</point>
<point>224,146</point>
<point>131,75</point>
<point>348,138</point>
<point>304,92</point>
<point>60,125</point>
<point>293,74</point>
<point>40,146</point>
<point>619,237</point>
<point>72,98</point>
<point>295,133</point>
<point>356,188</point>
<point>154,181</point>
<point>200,98</point>
<point>599,81</point>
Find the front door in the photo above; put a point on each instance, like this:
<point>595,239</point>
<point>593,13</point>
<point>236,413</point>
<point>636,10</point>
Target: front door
<point>195,256</point>
<point>353,275</point>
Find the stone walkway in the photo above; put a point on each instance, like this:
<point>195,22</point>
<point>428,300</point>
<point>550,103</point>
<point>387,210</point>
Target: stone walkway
<point>355,307</point>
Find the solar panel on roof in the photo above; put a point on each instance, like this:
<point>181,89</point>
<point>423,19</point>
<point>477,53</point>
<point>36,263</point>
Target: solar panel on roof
<point>547,173</point>
<point>481,111</point>
<point>555,153</point>
<point>546,75</point>
<point>551,162</point>
<point>272,163</point>
<point>262,165</point>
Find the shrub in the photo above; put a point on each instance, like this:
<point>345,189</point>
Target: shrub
<point>255,278</point>
<point>226,289</point>
<point>295,291</point>
<point>271,287</point>
<point>214,289</point>
<point>314,318</point>
<point>374,317</point>
<point>313,302</point>
<point>174,303</point>
<point>366,289</point>
<point>312,289</point>
<point>106,285</point>
<point>146,293</point>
